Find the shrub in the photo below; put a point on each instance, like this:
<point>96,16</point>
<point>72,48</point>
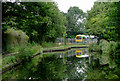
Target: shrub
<point>11,49</point>
<point>109,51</point>
<point>104,46</point>
<point>16,37</point>
<point>48,44</point>
<point>115,51</point>
<point>27,51</point>
<point>112,47</point>
<point>94,47</point>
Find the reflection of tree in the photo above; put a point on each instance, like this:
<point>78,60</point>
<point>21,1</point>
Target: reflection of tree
<point>76,68</point>
<point>51,68</point>
<point>97,70</point>
<point>47,69</point>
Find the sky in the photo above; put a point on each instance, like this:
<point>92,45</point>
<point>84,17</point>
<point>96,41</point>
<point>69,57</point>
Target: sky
<point>85,5</point>
<point>64,5</point>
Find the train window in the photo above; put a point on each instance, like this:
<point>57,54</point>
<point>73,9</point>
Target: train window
<point>77,53</point>
<point>78,37</point>
<point>80,53</point>
<point>83,37</point>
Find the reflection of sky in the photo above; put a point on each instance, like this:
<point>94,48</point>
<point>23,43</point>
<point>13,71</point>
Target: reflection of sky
<point>85,56</point>
<point>80,70</point>
<point>76,68</point>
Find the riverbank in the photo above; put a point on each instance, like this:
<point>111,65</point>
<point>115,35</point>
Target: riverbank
<point>64,48</point>
<point>27,52</point>
<point>50,47</point>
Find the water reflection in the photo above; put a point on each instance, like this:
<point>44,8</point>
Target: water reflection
<point>81,53</point>
<point>71,64</point>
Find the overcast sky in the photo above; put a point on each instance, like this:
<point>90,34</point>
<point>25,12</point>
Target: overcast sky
<point>64,5</point>
<point>85,5</point>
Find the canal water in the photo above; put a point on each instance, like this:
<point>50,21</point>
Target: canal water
<point>76,64</point>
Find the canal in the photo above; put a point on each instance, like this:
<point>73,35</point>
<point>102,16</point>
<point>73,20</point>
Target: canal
<point>75,64</point>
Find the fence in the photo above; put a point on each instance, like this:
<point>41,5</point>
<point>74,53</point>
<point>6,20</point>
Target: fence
<point>72,41</point>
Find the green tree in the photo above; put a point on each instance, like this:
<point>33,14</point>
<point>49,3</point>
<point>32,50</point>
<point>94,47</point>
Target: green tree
<point>76,21</point>
<point>103,20</point>
<point>41,22</point>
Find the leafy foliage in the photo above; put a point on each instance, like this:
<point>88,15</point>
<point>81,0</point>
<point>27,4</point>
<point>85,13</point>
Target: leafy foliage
<point>16,36</point>
<point>103,20</point>
<point>41,22</point>
<point>26,52</point>
<point>14,39</point>
<point>76,21</point>
<point>48,44</point>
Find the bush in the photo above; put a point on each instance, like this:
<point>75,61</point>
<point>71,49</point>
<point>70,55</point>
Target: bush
<point>112,47</point>
<point>94,47</point>
<point>27,51</point>
<point>48,44</point>
<point>115,51</point>
<point>104,46</point>
<point>16,37</point>
<point>109,51</point>
<point>11,49</point>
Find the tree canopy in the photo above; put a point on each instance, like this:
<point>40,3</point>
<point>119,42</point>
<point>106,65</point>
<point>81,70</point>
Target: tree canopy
<point>76,21</point>
<point>103,20</point>
<point>41,21</point>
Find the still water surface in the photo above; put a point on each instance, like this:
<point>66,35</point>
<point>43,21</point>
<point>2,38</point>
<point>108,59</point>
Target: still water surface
<point>72,64</point>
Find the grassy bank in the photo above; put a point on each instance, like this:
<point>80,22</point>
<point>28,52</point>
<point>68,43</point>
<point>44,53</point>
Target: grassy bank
<point>28,50</point>
<point>45,45</point>
<point>25,53</point>
<point>62,46</point>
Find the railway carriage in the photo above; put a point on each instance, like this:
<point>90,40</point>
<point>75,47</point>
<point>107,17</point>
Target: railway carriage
<point>80,38</point>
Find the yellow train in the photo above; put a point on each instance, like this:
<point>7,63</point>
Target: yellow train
<point>81,53</point>
<point>80,38</point>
